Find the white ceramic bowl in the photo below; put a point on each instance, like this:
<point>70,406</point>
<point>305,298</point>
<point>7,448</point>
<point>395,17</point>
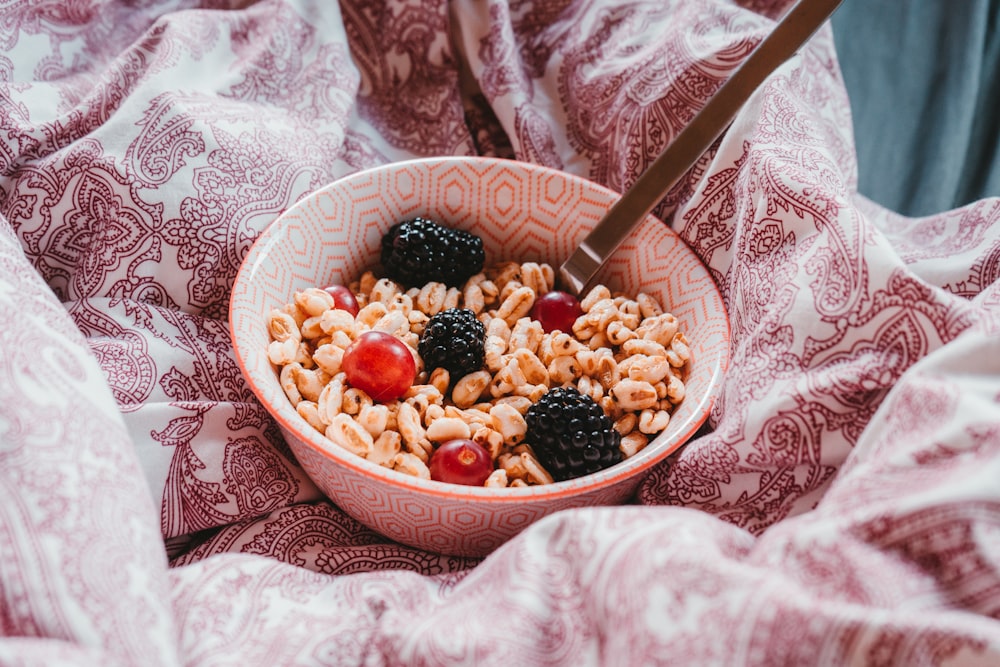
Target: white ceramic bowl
<point>522,212</point>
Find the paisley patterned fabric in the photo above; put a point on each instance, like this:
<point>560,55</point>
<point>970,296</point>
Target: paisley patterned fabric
<point>841,507</point>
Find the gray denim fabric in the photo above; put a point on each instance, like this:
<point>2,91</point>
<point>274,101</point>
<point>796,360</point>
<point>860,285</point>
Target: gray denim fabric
<point>923,78</point>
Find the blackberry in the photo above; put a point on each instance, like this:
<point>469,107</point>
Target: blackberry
<point>419,251</point>
<point>571,435</point>
<point>453,339</point>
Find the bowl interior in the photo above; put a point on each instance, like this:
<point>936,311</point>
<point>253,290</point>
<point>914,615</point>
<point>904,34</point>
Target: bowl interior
<point>522,212</point>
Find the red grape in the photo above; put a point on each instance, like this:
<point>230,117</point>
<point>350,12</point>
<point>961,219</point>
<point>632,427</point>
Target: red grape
<point>556,310</point>
<point>461,461</point>
<point>379,364</point>
<point>343,298</point>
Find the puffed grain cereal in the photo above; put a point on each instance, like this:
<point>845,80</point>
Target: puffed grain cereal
<point>625,351</point>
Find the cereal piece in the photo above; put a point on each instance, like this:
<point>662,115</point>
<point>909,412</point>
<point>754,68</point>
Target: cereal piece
<point>491,292</point>
<point>602,314</point>
<point>440,378</point>
<point>410,425</point>
<point>452,298</point>
<point>495,344</point>
<point>680,351</point>
<point>650,348</point>
<point>629,313</point>
<point>509,423</point>
<point>512,373</point>
<point>354,400</point>
<point>308,411</point>
<point>648,305</point>
<point>329,357</point>
<point>587,359</point>
<point>652,422</point>
<point>282,326</point>
<point>473,298</point>
<point>606,371</point>
<point>293,310</point>
<point>661,390</point>
<point>287,380</point>
<point>411,464</point>
<point>585,330</point>
<point>532,276</point>
<point>331,400</point>
<point>313,301</point>
<point>474,418</point>
<point>283,352</point>
<point>675,389</point>
<point>596,293</point>
<point>626,423</point>
<point>401,302</point>
<point>303,355</point>
<point>611,407</point>
<point>507,379</point>
<point>646,368</point>
<point>350,435</point>
<point>497,479</point>
<point>544,352</point>
<point>499,387</point>
<point>340,339</point>
<point>564,369</point>
<point>503,273</point>
<point>526,333</point>
<point>418,321</point>
<point>431,298</point>
<point>374,418</point>
<point>311,327</point>
<point>412,340</point>
<point>422,396</point>
<point>531,366</point>
<point>433,411</point>
<point>634,394</point>
<point>310,382</point>
<point>512,466</point>
<point>588,386</point>
<point>371,314</point>
<point>383,291</point>
<point>564,344</point>
<point>632,443</point>
<point>490,439</point>
<point>618,332</point>
<point>598,341</point>
<point>531,392</point>
<point>337,320</point>
<point>385,448</point>
<point>519,403</point>
<point>447,428</point>
<point>367,283</point>
<point>533,469</point>
<point>550,276</point>
<point>469,388</point>
<point>660,328</point>
<point>516,305</point>
<point>394,322</point>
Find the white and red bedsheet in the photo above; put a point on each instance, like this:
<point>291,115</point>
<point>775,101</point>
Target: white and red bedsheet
<point>844,506</point>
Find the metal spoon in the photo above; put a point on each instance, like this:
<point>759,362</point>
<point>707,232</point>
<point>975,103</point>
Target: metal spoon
<point>794,30</point>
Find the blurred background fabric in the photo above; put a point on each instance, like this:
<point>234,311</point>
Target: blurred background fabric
<point>922,77</point>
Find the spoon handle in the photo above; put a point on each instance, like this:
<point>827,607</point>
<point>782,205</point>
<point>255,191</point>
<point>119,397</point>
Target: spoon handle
<point>794,29</point>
